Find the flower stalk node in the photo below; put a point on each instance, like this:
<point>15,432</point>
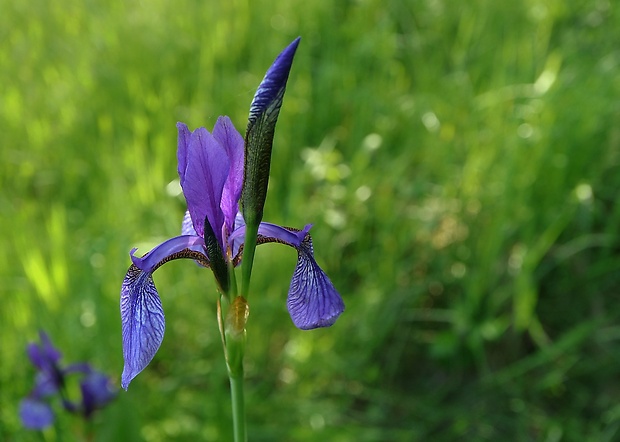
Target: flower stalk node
<point>237,317</point>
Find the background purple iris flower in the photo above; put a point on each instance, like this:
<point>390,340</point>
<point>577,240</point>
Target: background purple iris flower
<point>211,168</point>
<point>35,412</point>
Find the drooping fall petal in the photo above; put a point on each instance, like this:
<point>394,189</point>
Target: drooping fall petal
<point>142,316</point>
<point>143,322</point>
<point>313,301</point>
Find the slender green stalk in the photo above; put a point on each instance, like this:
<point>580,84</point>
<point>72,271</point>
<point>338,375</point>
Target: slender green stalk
<point>232,291</point>
<point>238,405</point>
<point>251,231</point>
<point>234,338</point>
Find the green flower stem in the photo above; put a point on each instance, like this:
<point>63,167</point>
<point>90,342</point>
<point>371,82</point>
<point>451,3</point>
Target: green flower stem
<point>235,335</point>
<point>238,404</point>
<point>251,232</point>
<point>232,292</point>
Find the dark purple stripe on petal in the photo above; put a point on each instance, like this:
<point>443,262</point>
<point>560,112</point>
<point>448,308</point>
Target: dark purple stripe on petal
<point>143,323</point>
<point>313,301</point>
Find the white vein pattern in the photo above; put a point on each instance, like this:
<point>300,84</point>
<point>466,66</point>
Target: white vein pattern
<point>143,322</point>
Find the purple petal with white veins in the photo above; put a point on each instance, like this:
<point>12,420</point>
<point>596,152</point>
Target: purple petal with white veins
<point>166,251</point>
<point>313,301</point>
<point>205,175</point>
<point>225,133</point>
<point>237,237</point>
<point>142,316</point>
<point>35,414</point>
<point>143,322</point>
<point>187,228</point>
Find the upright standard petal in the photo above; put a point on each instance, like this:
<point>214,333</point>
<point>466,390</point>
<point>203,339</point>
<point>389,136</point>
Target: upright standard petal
<point>205,175</point>
<point>225,133</point>
<point>143,322</point>
<point>313,301</point>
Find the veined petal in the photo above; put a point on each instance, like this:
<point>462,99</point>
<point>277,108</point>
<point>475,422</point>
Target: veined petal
<point>205,175</point>
<point>187,228</point>
<point>225,133</point>
<point>313,301</point>
<point>168,250</point>
<point>142,316</point>
<point>143,322</point>
<point>237,237</point>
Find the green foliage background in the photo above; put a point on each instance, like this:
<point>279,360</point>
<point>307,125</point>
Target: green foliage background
<point>460,163</point>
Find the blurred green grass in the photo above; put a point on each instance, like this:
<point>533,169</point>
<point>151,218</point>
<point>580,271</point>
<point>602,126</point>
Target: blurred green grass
<point>459,162</point>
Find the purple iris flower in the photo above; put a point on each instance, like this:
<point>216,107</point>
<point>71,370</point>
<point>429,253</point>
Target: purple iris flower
<point>212,170</point>
<point>211,175</point>
<point>35,411</point>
